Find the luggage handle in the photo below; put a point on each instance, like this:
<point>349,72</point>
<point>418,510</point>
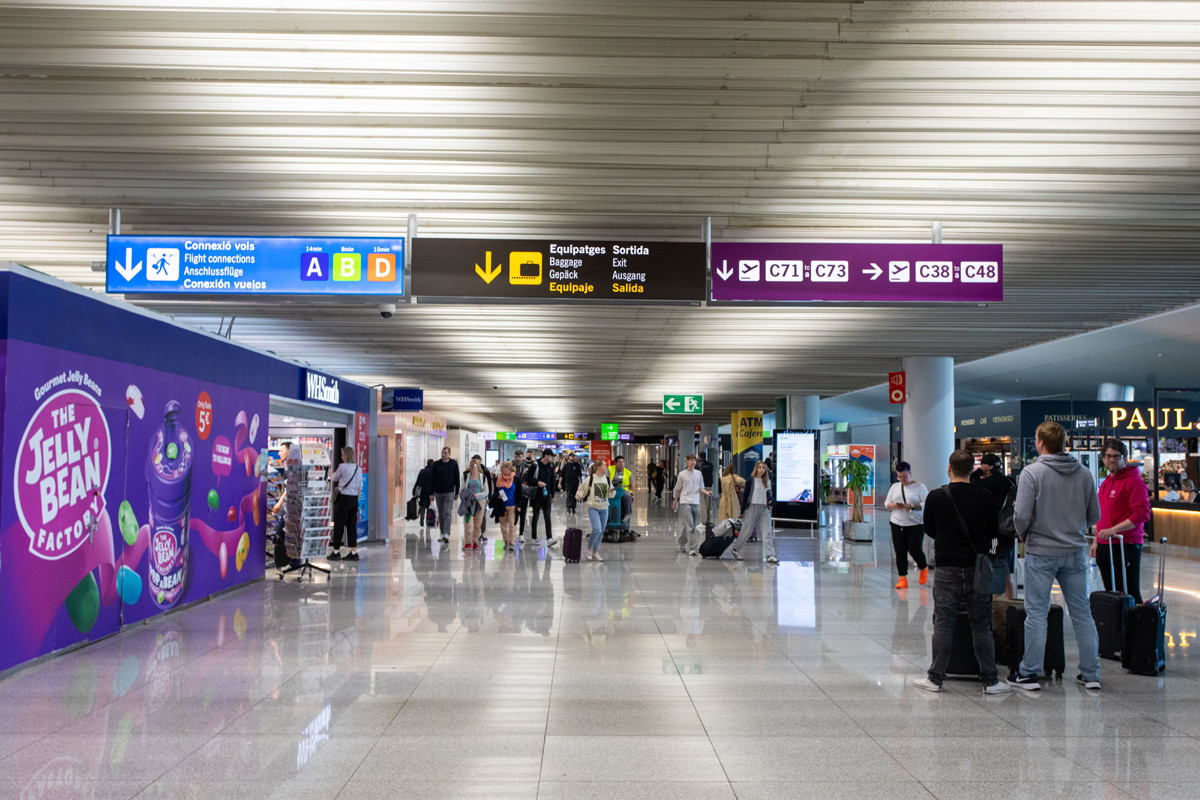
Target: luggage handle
<point>1162,574</point>
<point>1113,567</point>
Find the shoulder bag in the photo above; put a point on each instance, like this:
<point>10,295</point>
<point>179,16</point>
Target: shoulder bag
<point>991,571</point>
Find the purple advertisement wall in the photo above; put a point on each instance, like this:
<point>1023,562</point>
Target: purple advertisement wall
<point>128,491</point>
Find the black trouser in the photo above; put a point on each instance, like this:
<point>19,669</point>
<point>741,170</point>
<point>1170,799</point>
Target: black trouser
<point>1133,568</point>
<point>906,540</point>
<point>345,515</point>
<point>570,490</point>
<point>952,587</point>
<point>522,505</point>
<point>539,504</point>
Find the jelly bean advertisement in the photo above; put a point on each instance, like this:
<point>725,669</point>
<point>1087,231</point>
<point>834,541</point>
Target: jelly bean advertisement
<point>131,491</point>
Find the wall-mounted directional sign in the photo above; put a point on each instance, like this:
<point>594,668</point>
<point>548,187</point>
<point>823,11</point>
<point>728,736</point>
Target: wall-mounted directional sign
<point>874,273</point>
<point>683,404</point>
<point>254,265</point>
<point>609,433</point>
<point>559,269</point>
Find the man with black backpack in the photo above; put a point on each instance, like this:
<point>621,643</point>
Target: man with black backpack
<point>539,482</point>
<point>961,519</point>
<point>990,476</point>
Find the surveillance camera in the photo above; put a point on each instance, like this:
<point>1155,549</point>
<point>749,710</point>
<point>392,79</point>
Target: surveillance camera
<point>387,310</point>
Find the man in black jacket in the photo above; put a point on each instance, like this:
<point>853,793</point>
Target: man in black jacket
<point>962,520</point>
<point>520,466</point>
<point>539,485</point>
<point>444,482</point>
<point>423,489</point>
<point>569,479</point>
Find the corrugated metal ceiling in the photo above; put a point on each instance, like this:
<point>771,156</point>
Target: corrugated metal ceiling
<point>1067,131</point>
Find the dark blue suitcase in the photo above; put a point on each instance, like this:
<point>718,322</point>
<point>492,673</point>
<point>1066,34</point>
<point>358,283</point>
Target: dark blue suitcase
<point>1144,649</point>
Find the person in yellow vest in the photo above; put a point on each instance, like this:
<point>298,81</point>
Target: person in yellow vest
<point>622,479</point>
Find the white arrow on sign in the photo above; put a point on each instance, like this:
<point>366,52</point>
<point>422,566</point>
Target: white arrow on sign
<point>672,404</point>
<point>724,272</point>
<point>129,269</point>
<point>875,271</point>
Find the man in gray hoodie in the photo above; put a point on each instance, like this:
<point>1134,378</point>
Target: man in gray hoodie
<point>1056,502</point>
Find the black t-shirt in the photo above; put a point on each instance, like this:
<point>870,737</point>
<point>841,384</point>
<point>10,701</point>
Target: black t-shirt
<point>979,511</point>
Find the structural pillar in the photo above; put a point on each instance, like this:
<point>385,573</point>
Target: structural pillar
<point>803,412</point>
<point>928,417</point>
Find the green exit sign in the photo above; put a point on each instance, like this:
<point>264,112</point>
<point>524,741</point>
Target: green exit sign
<point>683,404</point>
<point>608,433</point>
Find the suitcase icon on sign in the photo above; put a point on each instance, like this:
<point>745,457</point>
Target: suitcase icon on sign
<point>525,269</point>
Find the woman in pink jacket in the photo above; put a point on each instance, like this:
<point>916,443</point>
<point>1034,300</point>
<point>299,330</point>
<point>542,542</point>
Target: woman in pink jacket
<point>1124,511</point>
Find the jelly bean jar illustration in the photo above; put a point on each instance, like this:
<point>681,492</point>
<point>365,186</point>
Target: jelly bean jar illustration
<point>169,475</point>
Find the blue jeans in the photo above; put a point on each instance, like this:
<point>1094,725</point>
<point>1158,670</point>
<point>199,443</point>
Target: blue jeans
<point>599,519</point>
<point>1071,572</point>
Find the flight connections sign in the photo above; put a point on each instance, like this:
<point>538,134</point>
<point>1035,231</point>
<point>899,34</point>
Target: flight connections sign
<point>872,273</point>
<point>255,265</point>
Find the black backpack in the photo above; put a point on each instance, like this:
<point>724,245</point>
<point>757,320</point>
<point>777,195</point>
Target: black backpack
<point>1008,522</point>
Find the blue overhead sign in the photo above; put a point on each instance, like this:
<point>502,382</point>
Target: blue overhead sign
<point>403,399</point>
<point>254,265</point>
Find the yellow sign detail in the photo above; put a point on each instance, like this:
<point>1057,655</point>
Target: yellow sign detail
<point>488,273</point>
<point>525,269</point>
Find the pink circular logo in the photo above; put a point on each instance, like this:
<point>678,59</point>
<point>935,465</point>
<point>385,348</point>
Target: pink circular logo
<point>62,473</point>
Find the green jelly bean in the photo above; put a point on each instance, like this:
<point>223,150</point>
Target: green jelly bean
<point>214,499</point>
<point>172,451</point>
<point>128,523</point>
<point>83,604</point>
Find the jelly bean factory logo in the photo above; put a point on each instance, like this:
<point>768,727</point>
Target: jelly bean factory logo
<point>62,472</point>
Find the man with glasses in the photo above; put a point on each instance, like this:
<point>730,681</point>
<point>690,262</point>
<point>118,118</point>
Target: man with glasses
<point>1124,512</point>
<point>1056,502</point>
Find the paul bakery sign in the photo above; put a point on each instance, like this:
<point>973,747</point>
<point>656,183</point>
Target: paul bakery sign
<point>62,473</point>
<point>1161,419</point>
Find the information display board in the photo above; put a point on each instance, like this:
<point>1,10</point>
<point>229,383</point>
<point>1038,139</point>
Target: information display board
<point>205,265</point>
<point>559,269</point>
<point>857,272</point>
<point>797,476</point>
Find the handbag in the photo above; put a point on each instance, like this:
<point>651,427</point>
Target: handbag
<point>990,571</point>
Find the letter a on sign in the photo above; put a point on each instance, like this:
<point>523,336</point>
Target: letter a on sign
<point>897,390</point>
<point>314,267</point>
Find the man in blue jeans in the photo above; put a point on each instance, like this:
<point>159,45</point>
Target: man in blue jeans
<point>1056,502</point>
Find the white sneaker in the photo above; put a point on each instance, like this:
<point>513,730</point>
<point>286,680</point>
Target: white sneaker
<point>597,557</point>
<point>927,685</point>
<point>551,542</point>
<point>999,687</point>
<point>772,560</point>
<point>522,539</point>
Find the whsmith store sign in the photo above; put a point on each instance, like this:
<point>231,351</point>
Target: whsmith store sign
<point>1180,419</point>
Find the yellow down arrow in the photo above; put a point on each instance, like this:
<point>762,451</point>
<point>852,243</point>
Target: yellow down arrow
<point>489,274</point>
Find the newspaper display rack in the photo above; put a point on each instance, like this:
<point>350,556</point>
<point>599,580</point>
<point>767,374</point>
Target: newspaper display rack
<point>307,522</point>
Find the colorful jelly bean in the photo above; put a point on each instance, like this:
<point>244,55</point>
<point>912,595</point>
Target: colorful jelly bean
<point>214,499</point>
<point>231,514</point>
<point>223,558</point>
<point>243,551</point>
<point>83,604</point>
<point>172,451</point>
<point>254,506</point>
<point>129,586</point>
<point>128,523</point>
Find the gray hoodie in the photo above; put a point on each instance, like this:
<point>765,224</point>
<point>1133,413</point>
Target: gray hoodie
<point>1056,502</point>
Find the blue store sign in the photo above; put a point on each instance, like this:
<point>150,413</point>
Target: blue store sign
<point>403,399</point>
<point>208,265</point>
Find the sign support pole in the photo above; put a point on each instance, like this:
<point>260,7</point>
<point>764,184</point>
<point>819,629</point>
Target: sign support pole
<point>412,234</point>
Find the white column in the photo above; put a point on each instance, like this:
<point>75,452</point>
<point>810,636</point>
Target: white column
<point>928,418</point>
<point>804,411</point>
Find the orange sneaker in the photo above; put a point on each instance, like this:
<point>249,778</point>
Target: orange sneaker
<point>902,583</point>
<point>924,579</point>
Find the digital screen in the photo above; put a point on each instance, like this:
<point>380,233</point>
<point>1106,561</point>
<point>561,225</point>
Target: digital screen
<point>796,472</point>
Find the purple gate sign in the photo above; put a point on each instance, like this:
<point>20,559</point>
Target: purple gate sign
<point>868,273</point>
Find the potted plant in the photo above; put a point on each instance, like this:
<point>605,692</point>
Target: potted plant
<point>857,478</point>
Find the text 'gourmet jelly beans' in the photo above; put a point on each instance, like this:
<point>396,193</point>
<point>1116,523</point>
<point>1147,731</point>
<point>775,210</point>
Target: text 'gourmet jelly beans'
<point>129,586</point>
<point>83,603</point>
<point>128,523</point>
<point>169,476</point>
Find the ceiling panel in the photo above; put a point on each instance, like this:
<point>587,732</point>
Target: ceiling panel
<point>1066,131</point>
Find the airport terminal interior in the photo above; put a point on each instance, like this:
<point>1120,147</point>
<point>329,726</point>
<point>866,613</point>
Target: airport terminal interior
<point>887,230</point>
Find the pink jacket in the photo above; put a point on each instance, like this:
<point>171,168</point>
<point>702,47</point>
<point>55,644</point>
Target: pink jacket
<point>1123,496</point>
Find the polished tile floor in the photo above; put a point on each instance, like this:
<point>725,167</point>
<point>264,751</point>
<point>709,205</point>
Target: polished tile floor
<point>422,672</point>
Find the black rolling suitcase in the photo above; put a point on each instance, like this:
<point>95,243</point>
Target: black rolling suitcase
<point>962,649</point>
<point>723,534</point>
<point>1109,609</point>
<point>572,545</point>
<point>1011,648</point>
<point>1144,650</point>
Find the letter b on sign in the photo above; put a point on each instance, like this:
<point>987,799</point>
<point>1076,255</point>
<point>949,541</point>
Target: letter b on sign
<point>897,390</point>
<point>347,266</point>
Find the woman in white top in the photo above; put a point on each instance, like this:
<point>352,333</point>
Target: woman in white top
<point>756,511</point>
<point>347,478</point>
<point>905,500</point>
<point>595,492</point>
